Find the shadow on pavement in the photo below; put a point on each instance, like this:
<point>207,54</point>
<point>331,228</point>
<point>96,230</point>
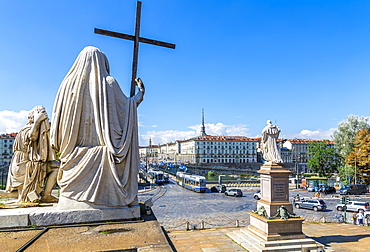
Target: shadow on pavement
<point>327,240</point>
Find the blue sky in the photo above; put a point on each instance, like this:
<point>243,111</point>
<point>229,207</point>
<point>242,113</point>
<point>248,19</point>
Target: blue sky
<point>303,64</point>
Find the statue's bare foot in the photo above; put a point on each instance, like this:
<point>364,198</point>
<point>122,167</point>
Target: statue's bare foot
<point>49,199</point>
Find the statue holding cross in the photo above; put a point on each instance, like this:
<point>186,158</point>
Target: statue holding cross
<point>95,130</point>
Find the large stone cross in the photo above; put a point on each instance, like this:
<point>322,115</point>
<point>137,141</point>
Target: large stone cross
<point>136,40</point>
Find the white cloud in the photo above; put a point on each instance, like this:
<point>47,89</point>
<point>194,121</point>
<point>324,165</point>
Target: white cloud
<point>220,129</point>
<point>165,136</point>
<point>12,122</point>
<point>312,134</point>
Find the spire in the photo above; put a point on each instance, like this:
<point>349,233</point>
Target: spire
<point>203,129</point>
<point>150,142</point>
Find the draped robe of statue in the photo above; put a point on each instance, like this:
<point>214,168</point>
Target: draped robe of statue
<point>95,129</point>
<point>17,168</point>
<point>27,171</point>
<point>270,135</point>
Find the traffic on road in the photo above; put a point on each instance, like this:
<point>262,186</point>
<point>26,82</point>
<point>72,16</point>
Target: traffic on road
<point>175,206</point>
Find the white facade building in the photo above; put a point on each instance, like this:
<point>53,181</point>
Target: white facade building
<point>209,149</point>
<point>6,148</point>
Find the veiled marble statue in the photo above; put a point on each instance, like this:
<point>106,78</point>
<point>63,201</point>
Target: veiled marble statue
<point>32,175</point>
<point>95,129</point>
<point>270,135</point>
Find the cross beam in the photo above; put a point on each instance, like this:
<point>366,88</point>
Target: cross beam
<point>132,38</point>
<point>137,39</point>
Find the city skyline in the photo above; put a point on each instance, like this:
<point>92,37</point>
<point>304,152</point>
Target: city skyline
<point>304,65</point>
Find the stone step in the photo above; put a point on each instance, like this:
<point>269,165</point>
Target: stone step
<point>252,242</point>
<point>237,237</point>
<point>251,235</point>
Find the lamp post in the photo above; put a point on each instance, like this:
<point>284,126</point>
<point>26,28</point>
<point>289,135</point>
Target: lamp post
<point>355,169</point>
<point>296,159</point>
<point>296,175</point>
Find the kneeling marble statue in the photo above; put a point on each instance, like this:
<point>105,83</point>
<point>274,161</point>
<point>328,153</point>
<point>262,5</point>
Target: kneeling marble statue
<point>33,171</point>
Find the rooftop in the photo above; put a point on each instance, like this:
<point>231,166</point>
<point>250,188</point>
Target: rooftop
<point>11,135</point>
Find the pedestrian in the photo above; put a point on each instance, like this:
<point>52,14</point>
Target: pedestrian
<point>297,198</point>
<point>354,217</point>
<point>360,217</point>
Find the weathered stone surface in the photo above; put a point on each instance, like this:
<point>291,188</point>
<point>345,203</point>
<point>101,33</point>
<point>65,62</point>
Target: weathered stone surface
<point>141,235</point>
<point>49,215</point>
<point>61,217</point>
<point>13,220</point>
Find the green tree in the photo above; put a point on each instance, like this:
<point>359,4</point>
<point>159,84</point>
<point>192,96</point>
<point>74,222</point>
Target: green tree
<point>346,171</point>
<point>324,158</point>
<point>344,136</point>
<point>360,156</point>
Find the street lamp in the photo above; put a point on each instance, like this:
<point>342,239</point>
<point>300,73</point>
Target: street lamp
<point>296,175</point>
<point>355,169</point>
<point>297,157</point>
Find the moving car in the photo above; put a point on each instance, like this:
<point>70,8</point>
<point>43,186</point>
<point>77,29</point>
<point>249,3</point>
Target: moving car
<point>327,189</point>
<point>234,192</point>
<point>257,195</point>
<point>359,206</point>
<point>353,189</point>
<point>314,204</point>
<point>218,188</point>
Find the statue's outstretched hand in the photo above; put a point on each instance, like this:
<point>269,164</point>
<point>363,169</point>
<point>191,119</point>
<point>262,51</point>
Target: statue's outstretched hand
<point>140,84</point>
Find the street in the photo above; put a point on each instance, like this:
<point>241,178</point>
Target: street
<point>174,206</point>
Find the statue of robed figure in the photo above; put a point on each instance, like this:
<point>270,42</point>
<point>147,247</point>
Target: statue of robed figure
<point>95,129</point>
<point>270,135</point>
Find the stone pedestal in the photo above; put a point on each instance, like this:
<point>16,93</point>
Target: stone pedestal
<point>274,188</point>
<point>274,234</point>
<point>276,229</point>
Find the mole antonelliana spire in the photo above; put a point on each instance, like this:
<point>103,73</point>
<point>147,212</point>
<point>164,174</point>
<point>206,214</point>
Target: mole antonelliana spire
<point>203,129</point>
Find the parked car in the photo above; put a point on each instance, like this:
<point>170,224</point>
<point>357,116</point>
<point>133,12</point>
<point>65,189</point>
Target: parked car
<point>218,188</point>
<point>234,192</point>
<point>353,189</point>
<point>359,206</point>
<point>314,204</point>
<point>327,189</point>
<point>257,195</point>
